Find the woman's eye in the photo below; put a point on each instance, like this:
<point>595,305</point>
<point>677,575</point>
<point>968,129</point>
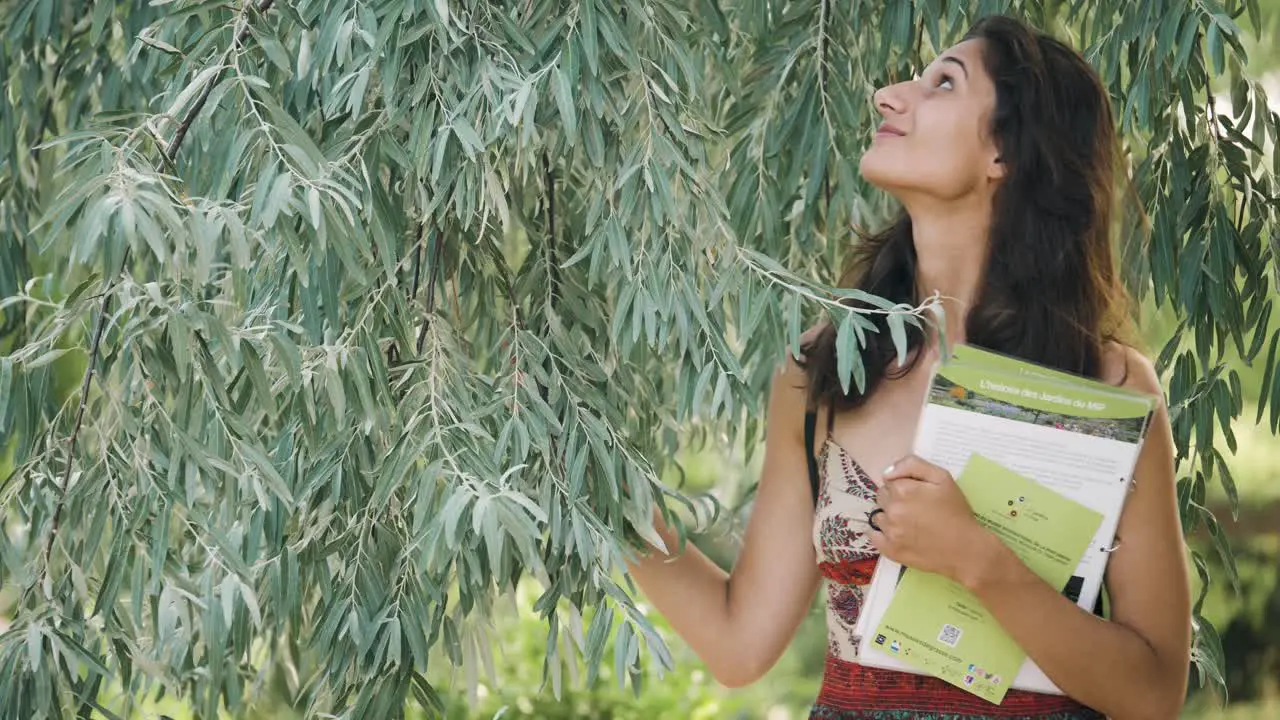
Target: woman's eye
<point>945,82</point>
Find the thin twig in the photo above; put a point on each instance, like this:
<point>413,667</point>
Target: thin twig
<point>94,350</point>
<point>417,261</point>
<point>553,269</point>
<point>553,274</point>
<point>432,273</point>
<point>393,352</point>
<point>1213,116</point>
<point>164,153</point>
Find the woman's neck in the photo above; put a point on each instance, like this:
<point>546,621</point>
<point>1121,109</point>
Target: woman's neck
<point>951,256</point>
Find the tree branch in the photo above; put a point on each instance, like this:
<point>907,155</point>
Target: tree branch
<point>95,349</point>
<point>194,111</point>
<point>553,274</point>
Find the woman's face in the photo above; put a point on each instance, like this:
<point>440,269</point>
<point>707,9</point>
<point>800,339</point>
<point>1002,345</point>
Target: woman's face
<point>935,139</point>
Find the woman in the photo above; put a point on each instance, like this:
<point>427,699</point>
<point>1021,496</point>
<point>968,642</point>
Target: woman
<point>1001,154</point>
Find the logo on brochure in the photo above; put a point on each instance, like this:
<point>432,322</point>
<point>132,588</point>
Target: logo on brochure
<point>968,679</point>
<point>894,646</point>
<point>971,667</point>
<point>995,679</point>
<point>880,639</point>
<point>1019,503</point>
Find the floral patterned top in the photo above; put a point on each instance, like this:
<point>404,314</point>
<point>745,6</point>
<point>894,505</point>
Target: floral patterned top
<point>845,494</point>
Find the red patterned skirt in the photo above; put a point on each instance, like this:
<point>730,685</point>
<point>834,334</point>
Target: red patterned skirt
<point>855,692</point>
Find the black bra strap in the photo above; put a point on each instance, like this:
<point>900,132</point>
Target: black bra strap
<point>810,428</point>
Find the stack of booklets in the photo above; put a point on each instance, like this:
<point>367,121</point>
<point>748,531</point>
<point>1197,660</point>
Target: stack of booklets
<point>1045,460</point>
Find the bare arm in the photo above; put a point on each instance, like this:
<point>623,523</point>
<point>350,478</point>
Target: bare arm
<point>740,622</point>
<point>1136,665</point>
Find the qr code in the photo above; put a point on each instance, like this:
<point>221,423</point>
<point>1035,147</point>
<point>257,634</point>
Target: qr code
<point>950,635</point>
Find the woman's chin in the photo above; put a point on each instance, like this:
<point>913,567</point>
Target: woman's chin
<point>882,178</point>
<point>894,177</point>
<point>881,171</point>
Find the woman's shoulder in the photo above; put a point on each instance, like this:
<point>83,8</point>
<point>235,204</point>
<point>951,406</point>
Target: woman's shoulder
<point>1127,367</point>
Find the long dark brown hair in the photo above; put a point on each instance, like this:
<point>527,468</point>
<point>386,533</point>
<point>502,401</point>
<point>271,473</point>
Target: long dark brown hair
<point>1050,291</point>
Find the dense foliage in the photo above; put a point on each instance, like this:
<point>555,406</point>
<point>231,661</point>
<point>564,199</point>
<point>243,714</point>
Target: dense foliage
<point>324,324</point>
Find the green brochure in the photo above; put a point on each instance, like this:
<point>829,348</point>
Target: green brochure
<point>940,628</point>
<point>972,355</point>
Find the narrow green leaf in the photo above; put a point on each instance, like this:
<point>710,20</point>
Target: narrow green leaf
<point>227,595</point>
<point>1186,40</point>
<point>82,653</point>
<point>898,332</point>
<point>45,358</point>
<point>6,380</point>
<point>621,645</point>
<point>467,135</point>
<point>333,386</point>
<point>1217,53</point>
<point>564,102</point>
<point>1269,370</point>
<point>846,350</point>
<point>79,290</point>
<point>313,206</point>
<point>1223,545</point>
<point>601,625</point>
<point>1228,485</point>
<point>35,648</point>
<point>268,470</point>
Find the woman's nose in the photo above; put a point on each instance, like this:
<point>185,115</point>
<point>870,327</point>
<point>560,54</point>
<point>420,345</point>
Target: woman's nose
<point>890,100</point>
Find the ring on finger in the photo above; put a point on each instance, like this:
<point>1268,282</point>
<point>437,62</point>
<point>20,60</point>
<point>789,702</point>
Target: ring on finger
<point>871,519</point>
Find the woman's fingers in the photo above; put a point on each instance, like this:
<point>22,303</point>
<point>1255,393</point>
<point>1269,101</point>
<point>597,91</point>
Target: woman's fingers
<point>913,466</point>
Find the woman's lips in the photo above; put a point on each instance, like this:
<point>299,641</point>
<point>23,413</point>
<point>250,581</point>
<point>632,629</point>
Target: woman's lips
<point>887,130</point>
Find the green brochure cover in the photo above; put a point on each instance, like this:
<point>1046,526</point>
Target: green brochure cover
<point>1041,391</point>
<point>940,628</point>
<point>981,357</point>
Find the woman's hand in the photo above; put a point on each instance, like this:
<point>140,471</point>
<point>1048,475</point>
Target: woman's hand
<point>927,523</point>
